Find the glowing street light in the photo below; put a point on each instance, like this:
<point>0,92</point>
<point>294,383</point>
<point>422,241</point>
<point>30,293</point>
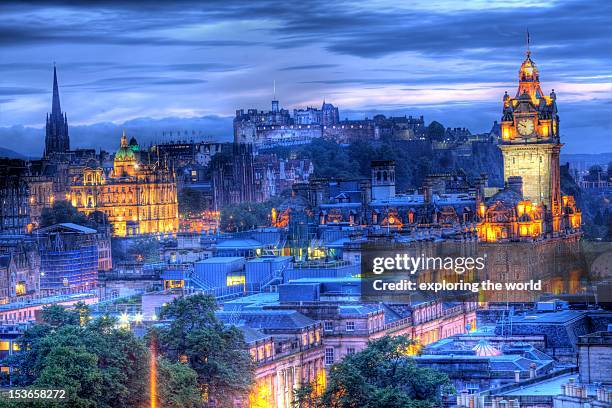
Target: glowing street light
<point>124,318</point>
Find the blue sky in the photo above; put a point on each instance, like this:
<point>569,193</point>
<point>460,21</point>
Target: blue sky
<point>450,61</point>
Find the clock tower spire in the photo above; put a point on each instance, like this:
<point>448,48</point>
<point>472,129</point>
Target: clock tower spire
<point>530,140</point>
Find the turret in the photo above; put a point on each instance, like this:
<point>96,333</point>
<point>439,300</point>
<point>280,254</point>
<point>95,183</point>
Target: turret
<point>383,179</point>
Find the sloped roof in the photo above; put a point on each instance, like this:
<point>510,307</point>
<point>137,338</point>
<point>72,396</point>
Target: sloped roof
<point>271,319</point>
<point>69,226</point>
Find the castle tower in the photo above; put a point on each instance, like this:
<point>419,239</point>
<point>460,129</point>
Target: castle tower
<point>530,141</point>
<point>56,137</point>
<point>383,179</point>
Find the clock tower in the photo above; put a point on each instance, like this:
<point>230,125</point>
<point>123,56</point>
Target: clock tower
<point>530,141</point>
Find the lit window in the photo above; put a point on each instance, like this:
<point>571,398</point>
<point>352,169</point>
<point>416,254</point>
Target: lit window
<point>235,280</point>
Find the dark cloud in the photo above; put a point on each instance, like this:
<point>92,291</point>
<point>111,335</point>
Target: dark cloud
<point>307,67</point>
<point>218,56</point>
<point>8,90</point>
<point>134,82</point>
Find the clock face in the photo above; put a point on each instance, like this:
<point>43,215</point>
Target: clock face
<point>525,127</point>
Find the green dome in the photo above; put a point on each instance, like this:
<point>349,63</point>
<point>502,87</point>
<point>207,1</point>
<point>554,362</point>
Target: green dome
<point>125,154</point>
<point>126,151</point>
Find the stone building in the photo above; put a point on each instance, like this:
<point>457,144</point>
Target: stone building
<point>287,348</point>
<point>14,197</point>
<point>233,175</point>
<point>595,357</point>
<point>137,198</point>
<point>41,195</point>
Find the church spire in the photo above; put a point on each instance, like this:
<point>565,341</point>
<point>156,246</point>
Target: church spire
<point>56,136</point>
<point>56,109</point>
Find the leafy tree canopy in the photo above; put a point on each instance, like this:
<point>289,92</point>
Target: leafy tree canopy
<point>192,201</point>
<point>98,364</point>
<point>247,215</point>
<point>383,375</point>
<point>63,211</point>
<point>217,353</point>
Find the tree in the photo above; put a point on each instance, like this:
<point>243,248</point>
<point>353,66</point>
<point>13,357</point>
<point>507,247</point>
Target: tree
<point>177,385</point>
<point>218,354</point>
<point>136,249</point>
<point>98,364</point>
<point>62,211</point>
<point>245,216</point>
<point>191,201</point>
<point>383,375</point>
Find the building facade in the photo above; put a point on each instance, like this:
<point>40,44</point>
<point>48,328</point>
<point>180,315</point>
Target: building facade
<point>14,197</point>
<point>137,198</point>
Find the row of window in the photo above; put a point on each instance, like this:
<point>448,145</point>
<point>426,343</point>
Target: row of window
<point>330,354</point>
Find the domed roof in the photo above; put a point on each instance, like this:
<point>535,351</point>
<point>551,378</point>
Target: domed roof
<point>134,144</point>
<point>485,349</point>
<point>125,152</point>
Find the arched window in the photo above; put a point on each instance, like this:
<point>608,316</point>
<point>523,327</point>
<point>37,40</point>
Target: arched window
<point>384,176</point>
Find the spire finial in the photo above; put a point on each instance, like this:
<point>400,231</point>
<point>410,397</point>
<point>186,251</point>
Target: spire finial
<point>55,104</point>
<point>274,89</point>
<point>528,44</point>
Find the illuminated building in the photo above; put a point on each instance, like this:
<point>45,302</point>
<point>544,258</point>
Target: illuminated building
<point>287,349</point>
<point>531,205</point>
<point>137,198</point>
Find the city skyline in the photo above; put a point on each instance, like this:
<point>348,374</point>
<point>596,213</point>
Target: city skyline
<point>208,63</point>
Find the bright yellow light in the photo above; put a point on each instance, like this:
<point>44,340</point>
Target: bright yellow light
<point>235,280</point>
<point>153,376</point>
<point>138,318</point>
<point>124,318</point>
<point>20,289</point>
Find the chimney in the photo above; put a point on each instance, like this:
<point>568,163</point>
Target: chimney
<point>532,370</point>
<point>516,183</point>
<point>517,376</point>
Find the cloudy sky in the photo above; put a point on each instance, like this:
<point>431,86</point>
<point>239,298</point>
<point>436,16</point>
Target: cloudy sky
<point>448,60</point>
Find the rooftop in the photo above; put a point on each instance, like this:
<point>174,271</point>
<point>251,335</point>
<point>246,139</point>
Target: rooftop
<point>559,317</point>
<point>549,387</point>
<point>221,259</point>
<point>270,259</point>
<point>269,319</point>
<point>239,244</point>
<point>327,280</point>
<point>45,301</point>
